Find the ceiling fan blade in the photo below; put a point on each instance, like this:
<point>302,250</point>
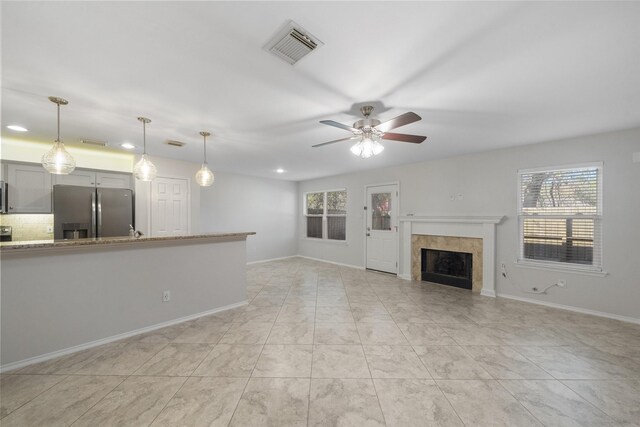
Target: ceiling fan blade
<point>416,139</point>
<point>339,125</point>
<point>401,120</point>
<point>335,140</point>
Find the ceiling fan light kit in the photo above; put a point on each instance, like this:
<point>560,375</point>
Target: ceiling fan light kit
<point>371,131</point>
<point>367,147</point>
<point>57,160</point>
<point>144,170</point>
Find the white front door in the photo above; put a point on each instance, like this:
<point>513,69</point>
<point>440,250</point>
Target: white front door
<point>169,207</point>
<point>382,228</point>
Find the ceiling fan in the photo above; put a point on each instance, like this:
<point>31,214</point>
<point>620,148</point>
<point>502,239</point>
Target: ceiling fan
<point>371,131</point>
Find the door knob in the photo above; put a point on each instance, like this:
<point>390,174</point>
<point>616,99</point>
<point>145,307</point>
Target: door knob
<point>368,234</point>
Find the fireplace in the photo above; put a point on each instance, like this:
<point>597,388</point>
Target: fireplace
<point>447,267</point>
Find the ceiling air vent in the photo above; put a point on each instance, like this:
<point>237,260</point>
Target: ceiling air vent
<point>292,43</point>
<point>174,143</point>
<point>94,142</point>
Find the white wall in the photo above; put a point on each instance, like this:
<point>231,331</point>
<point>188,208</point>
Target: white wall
<point>168,168</point>
<point>488,184</point>
<point>244,203</point>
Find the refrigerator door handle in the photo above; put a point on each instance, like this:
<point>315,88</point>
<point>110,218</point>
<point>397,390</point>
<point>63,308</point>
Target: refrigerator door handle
<point>93,214</point>
<point>99,215</point>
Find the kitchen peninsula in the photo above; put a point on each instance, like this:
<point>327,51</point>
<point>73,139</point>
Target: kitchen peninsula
<point>61,296</point>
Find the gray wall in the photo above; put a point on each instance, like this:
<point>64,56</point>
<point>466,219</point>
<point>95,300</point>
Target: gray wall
<point>243,203</point>
<point>55,299</point>
<point>488,184</point>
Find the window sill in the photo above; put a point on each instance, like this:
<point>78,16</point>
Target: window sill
<point>333,242</point>
<point>562,268</point>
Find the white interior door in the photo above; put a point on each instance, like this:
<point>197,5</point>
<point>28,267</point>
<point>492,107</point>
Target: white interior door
<point>382,228</point>
<point>169,207</point>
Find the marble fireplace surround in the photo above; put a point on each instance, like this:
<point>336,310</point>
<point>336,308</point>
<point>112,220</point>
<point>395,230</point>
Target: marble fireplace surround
<point>482,227</point>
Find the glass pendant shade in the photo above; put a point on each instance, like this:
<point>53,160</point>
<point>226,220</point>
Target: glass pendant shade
<point>58,161</point>
<point>145,170</point>
<point>367,147</point>
<point>204,176</point>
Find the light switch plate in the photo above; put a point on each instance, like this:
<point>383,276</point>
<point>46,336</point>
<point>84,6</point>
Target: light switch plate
<point>49,228</point>
<point>636,157</point>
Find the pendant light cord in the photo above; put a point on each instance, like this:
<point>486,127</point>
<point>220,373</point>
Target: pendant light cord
<point>144,137</point>
<point>58,122</point>
<point>205,148</point>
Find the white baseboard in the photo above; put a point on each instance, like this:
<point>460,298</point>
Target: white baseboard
<point>42,358</point>
<point>331,262</point>
<point>405,276</point>
<point>488,293</point>
<point>271,259</point>
<point>572,308</point>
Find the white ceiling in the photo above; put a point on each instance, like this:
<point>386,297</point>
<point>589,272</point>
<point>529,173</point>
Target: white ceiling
<point>481,75</point>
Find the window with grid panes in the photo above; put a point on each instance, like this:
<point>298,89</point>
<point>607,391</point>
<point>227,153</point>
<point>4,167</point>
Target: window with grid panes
<point>560,216</point>
<point>326,214</point>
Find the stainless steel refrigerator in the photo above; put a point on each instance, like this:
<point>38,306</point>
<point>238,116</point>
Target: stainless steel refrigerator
<point>81,212</point>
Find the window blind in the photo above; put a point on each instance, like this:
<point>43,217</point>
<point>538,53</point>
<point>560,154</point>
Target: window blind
<point>560,216</point>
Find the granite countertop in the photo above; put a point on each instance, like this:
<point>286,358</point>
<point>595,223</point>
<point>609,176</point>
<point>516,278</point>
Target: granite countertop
<point>51,244</point>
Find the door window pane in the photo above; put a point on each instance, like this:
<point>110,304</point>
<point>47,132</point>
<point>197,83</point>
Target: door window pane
<point>381,211</point>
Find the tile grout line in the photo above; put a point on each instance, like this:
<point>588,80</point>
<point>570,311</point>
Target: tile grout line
<point>247,384</point>
<point>367,362</point>
<point>63,377</point>
<point>313,345</point>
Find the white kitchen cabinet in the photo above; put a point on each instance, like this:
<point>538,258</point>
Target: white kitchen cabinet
<point>113,180</point>
<point>29,189</point>
<point>89,178</point>
<point>82,178</point>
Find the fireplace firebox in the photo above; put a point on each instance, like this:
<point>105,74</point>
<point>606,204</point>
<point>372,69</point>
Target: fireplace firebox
<point>447,268</point>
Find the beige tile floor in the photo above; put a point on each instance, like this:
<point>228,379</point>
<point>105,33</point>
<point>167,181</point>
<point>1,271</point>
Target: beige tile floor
<point>322,345</point>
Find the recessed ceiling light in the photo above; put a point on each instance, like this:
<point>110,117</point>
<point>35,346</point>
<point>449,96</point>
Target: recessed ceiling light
<point>17,128</point>
<point>280,170</point>
<point>128,146</point>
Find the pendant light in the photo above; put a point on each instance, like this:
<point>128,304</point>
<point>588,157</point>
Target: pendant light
<point>57,160</point>
<point>144,170</point>
<point>204,177</point>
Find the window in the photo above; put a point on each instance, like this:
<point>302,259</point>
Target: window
<point>326,213</point>
<point>560,216</point>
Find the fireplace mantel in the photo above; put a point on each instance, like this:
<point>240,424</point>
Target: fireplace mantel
<point>483,227</point>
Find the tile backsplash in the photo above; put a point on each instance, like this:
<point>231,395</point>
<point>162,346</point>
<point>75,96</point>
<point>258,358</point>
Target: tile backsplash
<point>29,226</point>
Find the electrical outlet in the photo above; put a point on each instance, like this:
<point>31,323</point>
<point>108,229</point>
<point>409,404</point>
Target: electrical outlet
<point>504,271</point>
<point>562,283</point>
<point>49,228</point>
<point>166,296</point>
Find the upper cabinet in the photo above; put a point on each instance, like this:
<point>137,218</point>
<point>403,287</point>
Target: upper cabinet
<point>30,185</point>
<point>29,189</point>
<point>87,178</point>
<point>77,177</point>
<point>113,180</point>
